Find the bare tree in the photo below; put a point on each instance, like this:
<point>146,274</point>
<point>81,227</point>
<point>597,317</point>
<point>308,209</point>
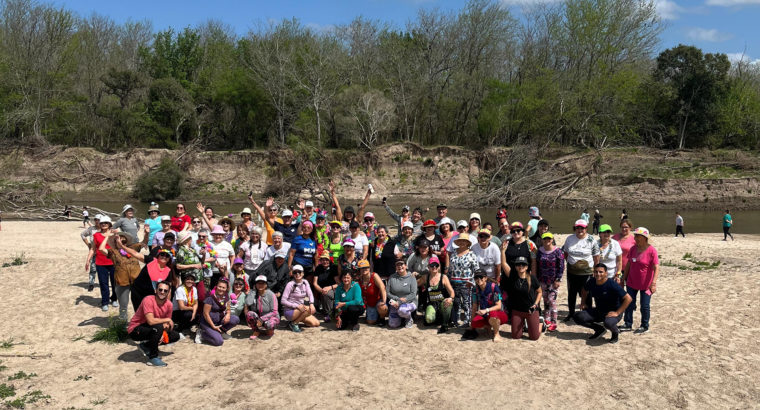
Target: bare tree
<point>374,114</point>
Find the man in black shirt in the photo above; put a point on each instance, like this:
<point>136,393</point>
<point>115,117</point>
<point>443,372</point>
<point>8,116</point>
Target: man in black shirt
<point>610,302</point>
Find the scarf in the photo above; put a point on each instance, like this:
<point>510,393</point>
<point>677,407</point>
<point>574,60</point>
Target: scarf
<point>155,272</point>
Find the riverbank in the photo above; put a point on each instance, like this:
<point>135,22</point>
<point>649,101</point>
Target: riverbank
<point>702,339</point>
<point>633,178</point>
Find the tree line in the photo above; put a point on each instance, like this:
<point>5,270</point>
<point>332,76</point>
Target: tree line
<point>577,73</point>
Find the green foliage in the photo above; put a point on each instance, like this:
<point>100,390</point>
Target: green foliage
<point>7,391</point>
<point>18,260</point>
<point>160,184</point>
<point>7,344</point>
<point>21,375</point>
<point>29,398</point>
<point>116,332</point>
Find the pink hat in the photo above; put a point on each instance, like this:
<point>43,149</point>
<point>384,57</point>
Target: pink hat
<point>307,222</point>
<point>434,259</point>
<point>642,231</point>
<point>581,222</point>
<point>369,215</point>
<point>218,230</point>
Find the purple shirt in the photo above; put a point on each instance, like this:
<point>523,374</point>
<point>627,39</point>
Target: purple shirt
<point>295,294</point>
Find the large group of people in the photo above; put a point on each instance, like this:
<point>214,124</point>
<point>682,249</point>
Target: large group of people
<point>302,267</point>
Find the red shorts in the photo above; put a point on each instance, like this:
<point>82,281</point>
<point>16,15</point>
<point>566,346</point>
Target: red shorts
<point>482,321</point>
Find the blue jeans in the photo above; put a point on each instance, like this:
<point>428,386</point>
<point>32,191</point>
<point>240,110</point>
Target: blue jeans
<point>645,299</point>
<point>104,274</point>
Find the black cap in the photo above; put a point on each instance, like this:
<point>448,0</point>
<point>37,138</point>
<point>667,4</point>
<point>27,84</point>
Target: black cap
<point>521,261</point>
<point>441,206</point>
<point>480,273</point>
<point>423,242</point>
<point>349,209</point>
<point>170,235</point>
<point>543,222</point>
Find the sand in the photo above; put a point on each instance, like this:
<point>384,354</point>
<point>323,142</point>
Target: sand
<point>700,352</point>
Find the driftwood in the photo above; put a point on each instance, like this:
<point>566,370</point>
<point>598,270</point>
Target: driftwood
<point>30,356</point>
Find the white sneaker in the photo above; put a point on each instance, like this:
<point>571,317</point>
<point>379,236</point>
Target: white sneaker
<point>409,323</point>
<point>104,308</point>
<point>115,303</point>
<point>181,337</point>
<point>198,337</point>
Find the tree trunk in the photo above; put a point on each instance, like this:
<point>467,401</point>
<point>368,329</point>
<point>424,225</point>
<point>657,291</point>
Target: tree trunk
<point>319,126</point>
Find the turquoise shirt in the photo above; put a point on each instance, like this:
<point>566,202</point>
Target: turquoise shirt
<point>352,297</point>
<point>155,226</point>
<point>727,222</point>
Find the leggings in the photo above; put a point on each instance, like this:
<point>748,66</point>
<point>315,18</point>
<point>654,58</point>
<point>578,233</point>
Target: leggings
<point>105,273</point>
<point>182,320</point>
<point>213,337</point>
<point>93,271</point>
<point>404,311</point>
<point>550,302</point>
<point>534,327</point>
<point>726,233</point>
<point>575,284</point>
<point>122,295</point>
<point>438,313</point>
<point>269,320</point>
<point>589,317</point>
<point>350,316</point>
<point>462,301</point>
<point>152,334</point>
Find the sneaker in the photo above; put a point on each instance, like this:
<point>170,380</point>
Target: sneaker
<point>552,327</point>
<point>294,327</point>
<point>115,303</point>
<point>356,328</point>
<point>181,337</point>
<point>327,318</point>
<point>543,324</point>
<point>641,330</point>
<point>104,308</point>
<point>625,327</point>
<point>381,323</point>
<point>156,362</point>
<point>597,334</point>
<point>442,329</point>
<point>409,323</point>
<point>614,338</point>
<point>143,348</point>
<point>90,287</point>
<point>198,337</point>
<point>568,318</point>
<point>226,336</point>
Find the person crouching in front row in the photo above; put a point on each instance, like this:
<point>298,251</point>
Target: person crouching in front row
<point>610,300</point>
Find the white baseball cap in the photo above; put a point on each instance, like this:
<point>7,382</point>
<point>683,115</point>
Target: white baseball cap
<point>309,204</point>
<point>287,212</point>
<point>297,268</point>
<point>408,224</point>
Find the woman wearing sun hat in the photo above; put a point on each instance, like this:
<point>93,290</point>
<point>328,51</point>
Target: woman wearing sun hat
<point>103,265</point>
<point>127,222</point>
<point>640,277</point>
<point>334,243</point>
<point>348,261</point>
<point>324,283</point>
<point>261,310</point>
<point>582,253</point>
<point>245,214</point>
<point>462,267</point>
<point>611,253</point>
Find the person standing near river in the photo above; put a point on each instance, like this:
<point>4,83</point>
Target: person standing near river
<point>728,222</point>
<point>597,221</point>
<point>679,225</point>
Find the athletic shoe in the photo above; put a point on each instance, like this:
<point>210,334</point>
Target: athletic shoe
<point>104,308</point>
<point>156,362</point>
<point>90,287</point>
<point>641,330</point>
<point>568,318</point>
<point>181,336</point>
<point>226,336</point>
<point>294,327</point>
<point>614,338</point>
<point>356,328</point>
<point>198,337</point>
<point>409,323</point>
<point>597,334</point>
<point>442,329</point>
<point>381,323</point>
<point>552,327</point>
<point>143,348</point>
<point>625,327</point>
<point>115,303</point>
<point>543,324</point>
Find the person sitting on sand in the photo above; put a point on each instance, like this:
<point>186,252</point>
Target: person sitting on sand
<point>325,283</point>
<point>298,301</point>
<point>152,324</point>
<point>348,303</point>
<point>486,305</point>
<point>373,294</point>
<point>610,302</point>
<point>217,318</point>
<point>524,295</point>
<point>402,293</point>
<point>186,304</point>
<point>261,310</point>
<point>237,298</point>
<point>437,296</point>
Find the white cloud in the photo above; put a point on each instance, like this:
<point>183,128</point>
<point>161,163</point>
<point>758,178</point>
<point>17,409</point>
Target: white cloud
<point>728,3</point>
<point>668,9</point>
<point>735,58</point>
<point>321,28</point>
<point>711,35</point>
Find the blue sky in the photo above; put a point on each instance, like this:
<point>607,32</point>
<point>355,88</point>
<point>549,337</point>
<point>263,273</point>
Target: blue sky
<point>726,26</point>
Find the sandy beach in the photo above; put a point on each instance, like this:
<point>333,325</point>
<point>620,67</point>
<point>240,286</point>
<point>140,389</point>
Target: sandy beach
<point>699,353</point>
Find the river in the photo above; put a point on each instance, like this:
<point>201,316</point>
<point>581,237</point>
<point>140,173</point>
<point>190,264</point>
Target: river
<point>657,221</point>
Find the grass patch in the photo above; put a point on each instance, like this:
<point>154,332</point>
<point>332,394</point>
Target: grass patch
<point>17,260</point>
<point>21,375</point>
<point>98,402</point>
<point>7,343</point>
<point>29,398</point>
<point>7,391</point>
<point>697,265</point>
<point>116,332</point>
<point>84,377</point>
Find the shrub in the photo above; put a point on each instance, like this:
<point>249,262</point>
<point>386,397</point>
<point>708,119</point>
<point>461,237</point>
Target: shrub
<point>160,184</point>
<point>116,332</point>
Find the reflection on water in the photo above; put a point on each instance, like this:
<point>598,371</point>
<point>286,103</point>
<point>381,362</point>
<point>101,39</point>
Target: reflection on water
<point>658,221</point>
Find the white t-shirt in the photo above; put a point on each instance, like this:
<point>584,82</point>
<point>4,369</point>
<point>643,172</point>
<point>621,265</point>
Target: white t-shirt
<point>487,258</point>
<point>679,220</point>
<point>609,257</point>
<point>223,252</point>
<point>580,249</point>
<point>253,257</point>
<point>269,254</point>
<point>181,294</point>
<point>360,242</point>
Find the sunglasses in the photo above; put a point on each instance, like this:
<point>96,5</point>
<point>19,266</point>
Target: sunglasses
<point>180,207</point>
<point>202,236</point>
<point>547,239</point>
<point>580,227</point>
<point>196,222</point>
<point>368,219</point>
<point>434,265</point>
<point>238,284</point>
<point>225,223</point>
<point>162,290</point>
<point>515,230</point>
